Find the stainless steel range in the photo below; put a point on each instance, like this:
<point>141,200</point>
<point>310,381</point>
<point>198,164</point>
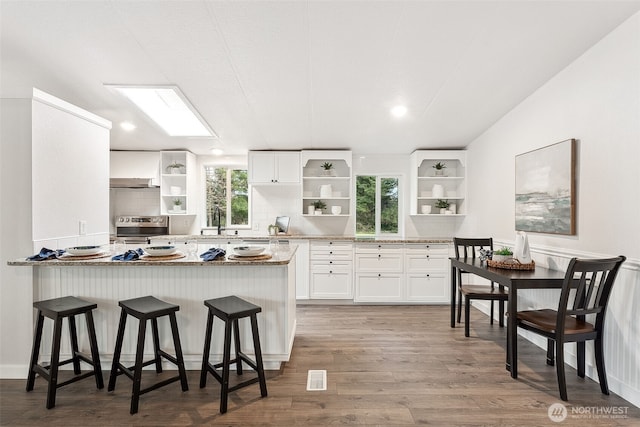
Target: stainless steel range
<point>138,229</point>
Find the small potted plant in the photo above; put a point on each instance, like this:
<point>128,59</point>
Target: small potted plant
<point>439,167</point>
<point>177,204</point>
<point>502,255</point>
<point>327,169</point>
<point>175,167</point>
<point>319,205</point>
<point>443,205</point>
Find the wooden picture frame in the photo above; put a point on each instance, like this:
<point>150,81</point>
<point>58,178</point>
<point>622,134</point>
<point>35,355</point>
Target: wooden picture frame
<point>545,199</point>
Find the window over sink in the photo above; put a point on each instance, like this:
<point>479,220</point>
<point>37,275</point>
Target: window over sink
<point>226,188</point>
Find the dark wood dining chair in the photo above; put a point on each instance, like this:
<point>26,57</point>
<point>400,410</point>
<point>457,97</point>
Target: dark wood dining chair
<point>469,249</point>
<point>592,281</point>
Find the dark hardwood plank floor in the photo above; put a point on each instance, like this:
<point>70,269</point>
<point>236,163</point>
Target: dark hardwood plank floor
<point>386,366</point>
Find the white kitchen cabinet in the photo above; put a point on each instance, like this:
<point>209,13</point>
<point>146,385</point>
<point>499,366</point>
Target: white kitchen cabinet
<point>427,188</point>
<point>331,270</point>
<point>302,268</point>
<point>379,272</point>
<point>379,287</point>
<point>178,185</point>
<point>274,167</point>
<point>427,267</point>
<point>331,187</point>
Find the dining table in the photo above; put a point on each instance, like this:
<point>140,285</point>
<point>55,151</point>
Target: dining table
<point>513,280</point>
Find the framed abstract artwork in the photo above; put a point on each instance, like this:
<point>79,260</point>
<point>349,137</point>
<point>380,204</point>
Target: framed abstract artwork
<point>545,189</point>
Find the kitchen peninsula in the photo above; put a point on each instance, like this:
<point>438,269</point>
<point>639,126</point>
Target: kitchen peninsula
<point>187,282</point>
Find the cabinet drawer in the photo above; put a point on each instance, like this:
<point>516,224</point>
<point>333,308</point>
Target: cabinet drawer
<point>379,248</point>
<point>426,262</point>
<point>379,287</point>
<point>430,248</point>
<point>428,287</point>
<point>331,284</point>
<point>379,262</point>
<point>332,245</point>
<point>331,265</point>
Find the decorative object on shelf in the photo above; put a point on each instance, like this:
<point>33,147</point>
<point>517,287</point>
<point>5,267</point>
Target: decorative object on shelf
<point>336,210</point>
<point>437,191</point>
<point>443,205</point>
<point>327,169</point>
<point>326,192</point>
<point>175,190</point>
<point>521,251</point>
<point>502,255</point>
<point>425,209</point>
<point>439,167</point>
<point>311,209</point>
<point>273,229</point>
<point>177,204</point>
<point>453,208</point>
<point>175,167</point>
<point>545,189</point>
<point>319,205</point>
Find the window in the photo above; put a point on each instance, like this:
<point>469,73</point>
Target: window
<point>227,189</point>
<point>377,205</point>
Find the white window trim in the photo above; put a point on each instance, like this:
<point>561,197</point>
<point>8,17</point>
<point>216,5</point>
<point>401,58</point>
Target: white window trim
<point>203,195</point>
<point>378,209</point>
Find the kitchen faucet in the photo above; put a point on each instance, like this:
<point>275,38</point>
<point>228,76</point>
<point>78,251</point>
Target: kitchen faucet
<point>217,212</point>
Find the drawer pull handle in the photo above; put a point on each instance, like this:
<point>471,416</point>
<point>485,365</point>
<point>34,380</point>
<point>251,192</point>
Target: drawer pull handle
<point>330,252</point>
<point>379,255</point>
<point>379,275</point>
<point>330,262</point>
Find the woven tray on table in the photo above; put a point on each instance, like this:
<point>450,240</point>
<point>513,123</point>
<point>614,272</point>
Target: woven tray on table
<point>512,264</point>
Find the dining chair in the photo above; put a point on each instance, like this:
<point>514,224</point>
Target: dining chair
<point>585,292</point>
<point>469,248</point>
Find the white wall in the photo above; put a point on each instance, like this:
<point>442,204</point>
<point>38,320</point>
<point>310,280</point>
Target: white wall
<point>64,186</point>
<point>595,100</point>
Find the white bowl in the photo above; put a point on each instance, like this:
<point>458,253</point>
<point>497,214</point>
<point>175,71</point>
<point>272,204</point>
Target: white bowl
<point>84,250</point>
<point>248,250</point>
<point>160,250</point>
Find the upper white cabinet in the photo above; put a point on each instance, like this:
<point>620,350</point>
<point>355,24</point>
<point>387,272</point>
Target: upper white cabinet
<point>431,186</point>
<point>178,183</point>
<point>331,186</point>
<point>274,167</point>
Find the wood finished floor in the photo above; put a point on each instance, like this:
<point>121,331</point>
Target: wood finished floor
<point>386,366</point>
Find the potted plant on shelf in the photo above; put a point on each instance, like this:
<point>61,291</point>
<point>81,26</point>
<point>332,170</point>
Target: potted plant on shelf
<point>319,205</point>
<point>327,169</point>
<point>439,167</point>
<point>177,204</point>
<point>502,255</point>
<point>175,167</point>
<point>443,205</point>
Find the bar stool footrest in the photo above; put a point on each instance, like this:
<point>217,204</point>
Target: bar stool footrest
<point>160,384</point>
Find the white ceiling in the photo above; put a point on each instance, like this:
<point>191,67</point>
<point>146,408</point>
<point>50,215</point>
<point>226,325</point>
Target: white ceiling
<point>302,74</point>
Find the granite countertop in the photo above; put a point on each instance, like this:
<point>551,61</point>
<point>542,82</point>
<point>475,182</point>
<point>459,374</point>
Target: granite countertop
<point>180,237</point>
<point>282,257</point>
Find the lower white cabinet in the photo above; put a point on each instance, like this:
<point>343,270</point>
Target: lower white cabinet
<point>402,273</point>
<point>331,270</point>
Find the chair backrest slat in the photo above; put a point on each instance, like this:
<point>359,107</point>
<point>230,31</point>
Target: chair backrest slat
<point>470,246</point>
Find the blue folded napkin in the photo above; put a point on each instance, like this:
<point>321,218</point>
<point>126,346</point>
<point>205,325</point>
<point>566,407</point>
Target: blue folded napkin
<point>130,255</point>
<point>46,254</point>
<point>213,254</point>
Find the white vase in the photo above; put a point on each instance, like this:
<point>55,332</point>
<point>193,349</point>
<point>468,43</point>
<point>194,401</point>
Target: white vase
<point>336,210</point>
<point>311,210</point>
<point>425,209</point>
<point>443,211</point>
<point>437,192</point>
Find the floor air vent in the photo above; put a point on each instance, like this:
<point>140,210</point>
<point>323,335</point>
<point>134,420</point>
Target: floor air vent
<point>316,380</point>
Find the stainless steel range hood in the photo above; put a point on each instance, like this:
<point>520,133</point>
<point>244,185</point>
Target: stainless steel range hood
<point>134,169</point>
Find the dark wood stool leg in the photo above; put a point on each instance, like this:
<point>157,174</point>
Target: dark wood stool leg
<point>95,354</point>
<point>55,359</point>
<point>73,335</point>
<point>467,314</point>
<point>156,344</point>
<point>117,350</point>
<point>258,351</point>
<point>178,349</point>
<point>137,373</point>
<point>236,344</point>
<point>205,352</point>
<point>226,358</point>
<point>35,351</point>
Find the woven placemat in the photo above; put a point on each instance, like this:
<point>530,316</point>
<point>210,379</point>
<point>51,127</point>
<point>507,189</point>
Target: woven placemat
<point>70,257</point>
<point>249,258</point>
<point>176,255</point>
<point>512,264</point>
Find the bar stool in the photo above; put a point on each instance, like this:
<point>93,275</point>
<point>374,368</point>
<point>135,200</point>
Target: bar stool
<point>57,309</point>
<point>230,309</point>
<point>147,308</point>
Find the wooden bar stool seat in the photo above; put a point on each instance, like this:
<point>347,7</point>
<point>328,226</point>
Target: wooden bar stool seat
<point>57,309</point>
<point>147,308</point>
<point>229,310</point>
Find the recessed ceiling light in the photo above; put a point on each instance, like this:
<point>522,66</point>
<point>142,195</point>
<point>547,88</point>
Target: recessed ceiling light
<point>217,152</point>
<point>127,126</point>
<point>168,107</point>
<point>399,111</point>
